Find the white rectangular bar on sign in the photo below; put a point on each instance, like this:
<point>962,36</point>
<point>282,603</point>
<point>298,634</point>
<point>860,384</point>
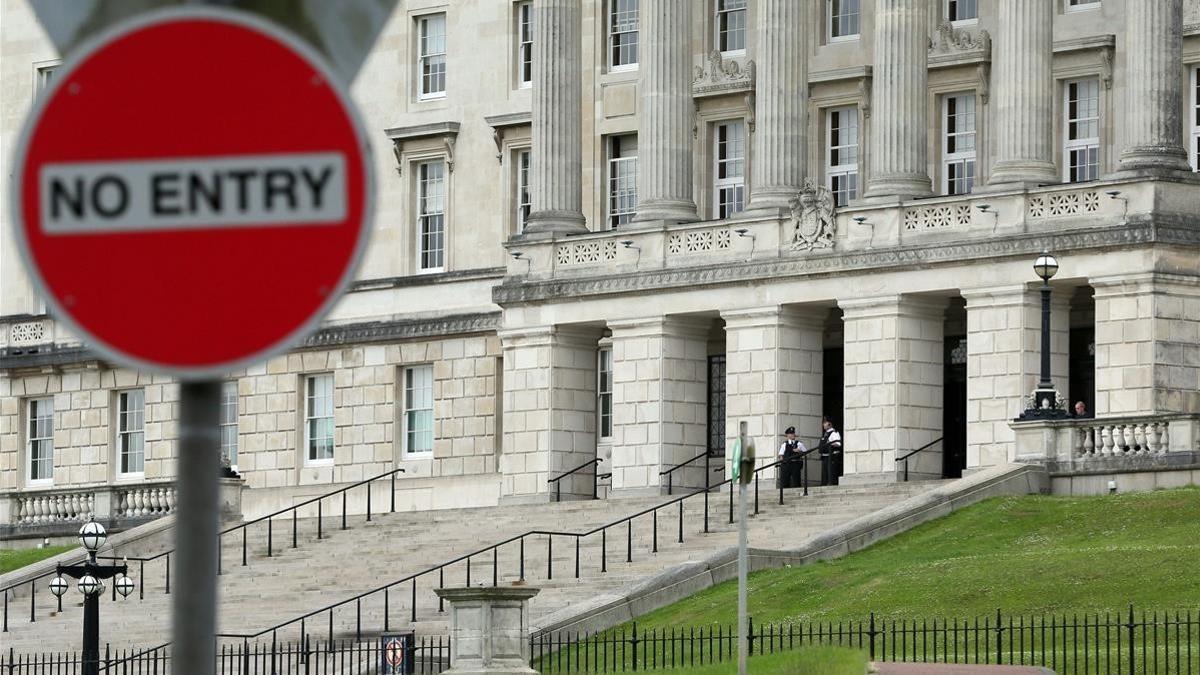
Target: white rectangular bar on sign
<point>184,193</point>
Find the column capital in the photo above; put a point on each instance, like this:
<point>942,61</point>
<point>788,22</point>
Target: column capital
<point>660,326</point>
<point>891,305</point>
<point>770,316</point>
<point>1000,296</point>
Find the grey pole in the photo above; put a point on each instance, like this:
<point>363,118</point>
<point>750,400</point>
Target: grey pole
<point>743,563</point>
<point>194,616</point>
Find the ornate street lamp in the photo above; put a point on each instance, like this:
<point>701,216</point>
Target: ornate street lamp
<point>1044,403</point>
<point>91,575</point>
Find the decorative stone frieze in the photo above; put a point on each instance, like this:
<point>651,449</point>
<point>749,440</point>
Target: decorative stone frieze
<point>950,46</point>
<point>698,241</point>
<point>1061,204</point>
<point>27,333</point>
<point>937,217</point>
<point>719,76</point>
<point>586,253</point>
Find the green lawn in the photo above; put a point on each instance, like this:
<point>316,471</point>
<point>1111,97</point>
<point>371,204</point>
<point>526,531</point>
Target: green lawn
<point>807,661</point>
<point>15,559</point>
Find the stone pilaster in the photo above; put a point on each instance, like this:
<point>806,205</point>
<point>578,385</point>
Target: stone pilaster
<point>1023,94</point>
<point>778,163</point>
<point>557,168</point>
<point>665,112</point>
<point>898,101</point>
<point>660,377</point>
<point>894,376</point>
<point>773,376</point>
<point>1153,94</point>
<point>1147,344</point>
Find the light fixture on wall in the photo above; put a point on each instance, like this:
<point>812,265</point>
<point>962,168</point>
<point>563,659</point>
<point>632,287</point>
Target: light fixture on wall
<point>628,244</point>
<point>519,256</point>
<point>862,220</point>
<point>743,233</point>
<point>1116,194</point>
<point>987,208</point>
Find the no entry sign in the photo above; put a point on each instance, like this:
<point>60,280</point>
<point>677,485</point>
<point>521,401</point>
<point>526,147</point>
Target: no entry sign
<point>193,192</point>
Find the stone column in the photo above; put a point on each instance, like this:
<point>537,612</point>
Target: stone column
<point>1023,94</point>
<point>899,115</point>
<point>774,361</point>
<point>557,166</point>
<point>665,112</point>
<point>549,412</point>
<point>660,393</point>
<point>1153,94</point>
<point>778,162</point>
<point>894,377</point>
<point>489,629</point>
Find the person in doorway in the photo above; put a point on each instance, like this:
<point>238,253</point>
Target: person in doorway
<point>830,450</point>
<point>1081,410</point>
<point>790,452</point>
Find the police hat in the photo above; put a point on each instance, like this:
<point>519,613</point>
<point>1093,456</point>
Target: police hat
<point>789,430</point>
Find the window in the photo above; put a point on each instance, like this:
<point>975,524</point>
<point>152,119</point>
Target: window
<point>523,199</point>
<point>731,25</point>
<point>841,151</point>
<point>843,19</point>
<point>418,409</point>
<point>39,442</point>
<point>318,418</point>
<point>716,405</point>
<point>431,215</point>
<point>604,391</point>
<point>45,75</point>
<point>962,10</point>
<point>131,423</point>
<point>1082,135</point>
<point>622,179</point>
<point>431,55</point>
<point>229,422</point>
<point>729,182</point>
<point>525,43</point>
<point>958,143</point>
<point>1194,117</point>
<point>1082,4</point>
<point>622,34</point>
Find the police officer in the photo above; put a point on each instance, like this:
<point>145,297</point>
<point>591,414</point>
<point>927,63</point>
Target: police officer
<point>790,452</point>
<point>830,450</point>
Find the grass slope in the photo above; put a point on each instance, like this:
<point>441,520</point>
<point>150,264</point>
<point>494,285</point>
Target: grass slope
<point>1025,555</point>
<point>15,559</point>
<point>806,661</point>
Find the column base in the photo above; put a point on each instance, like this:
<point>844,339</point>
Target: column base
<point>897,187</point>
<point>549,222</point>
<point>1027,173</point>
<point>669,210</point>
<point>1155,158</point>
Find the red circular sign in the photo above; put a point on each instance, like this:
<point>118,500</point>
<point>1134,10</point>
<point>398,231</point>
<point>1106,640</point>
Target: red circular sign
<point>193,192</point>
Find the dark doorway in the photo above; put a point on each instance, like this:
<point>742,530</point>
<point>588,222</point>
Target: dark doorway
<point>832,382</point>
<point>1081,354</point>
<point>716,405</point>
<point>954,408</point>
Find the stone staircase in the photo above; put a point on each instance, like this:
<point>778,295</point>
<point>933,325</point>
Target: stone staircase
<point>344,563</point>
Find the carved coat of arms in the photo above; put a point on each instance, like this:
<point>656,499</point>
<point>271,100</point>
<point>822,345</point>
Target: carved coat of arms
<point>812,218</point>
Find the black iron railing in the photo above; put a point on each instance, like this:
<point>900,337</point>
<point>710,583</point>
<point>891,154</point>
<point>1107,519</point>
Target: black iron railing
<point>557,480</point>
<point>267,521</point>
<point>907,455</point>
<point>670,473</point>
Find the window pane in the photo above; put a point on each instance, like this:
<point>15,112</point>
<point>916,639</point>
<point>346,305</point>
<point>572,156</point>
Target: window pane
<point>622,180</point>
<point>623,32</point>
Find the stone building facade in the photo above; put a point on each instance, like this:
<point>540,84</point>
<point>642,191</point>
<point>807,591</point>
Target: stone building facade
<point>616,229</point>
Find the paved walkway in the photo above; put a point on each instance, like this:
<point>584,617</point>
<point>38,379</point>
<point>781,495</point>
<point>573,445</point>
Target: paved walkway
<point>951,669</point>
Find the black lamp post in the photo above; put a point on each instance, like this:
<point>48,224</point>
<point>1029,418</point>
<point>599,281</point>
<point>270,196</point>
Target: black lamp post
<point>91,575</point>
<point>1044,403</point>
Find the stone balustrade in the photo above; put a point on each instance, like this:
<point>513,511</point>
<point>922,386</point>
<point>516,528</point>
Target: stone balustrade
<point>54,507</point>
<point>1140,440</point>
<point>145,501</point>
<point>46,508</point>
<point>1130,438</point>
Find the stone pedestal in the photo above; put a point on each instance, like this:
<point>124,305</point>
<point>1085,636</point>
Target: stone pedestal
<point>229,498</point>
<point>489,630</point>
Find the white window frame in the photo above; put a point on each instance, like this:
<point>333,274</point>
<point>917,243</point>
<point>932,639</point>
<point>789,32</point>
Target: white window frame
<point>604,391</point>
<point>129,435</point>
<point>722,13</point>
<point>430,207</point>
<point>313,395</point>
<point>1081,5</point>
<point>229,422</point>
<point>959,157</point>
<point>524,35</point>
<point>831,20</point>
<point>621,168</point>
<point>1079,144</point>
<point>734,132</point>
<point>522,191</point>
<point>43,75</point>
<point>950,5</point>
<point>407,382</point>
<point>611,32</point>
<point>39,434</point>
<point>1194,116</point>
<point>430,58</point>
<point>843,169</point>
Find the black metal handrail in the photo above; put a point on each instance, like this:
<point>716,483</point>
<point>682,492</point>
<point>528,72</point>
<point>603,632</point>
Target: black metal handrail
<point>558,484</point>
<point>670,473</point>
<point>494,550</point>
<point>904,459</point>
<point>244,527</point>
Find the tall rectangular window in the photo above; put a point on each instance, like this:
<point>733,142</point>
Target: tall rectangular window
<point>431,215</point>
<point>604,391</point>
<point>962,10</point>
<point>843,19</point>
<point>431,55</point>
<point>958,143</point>
<point>1194,118</point>
<point>1082,4</point>
<point>229,422</point>
<point>131,424</point>
<point>731,25</point>
<point>729,182</point>
<point>1081,151</point>
<point>418,409</point>
<point>523,198</point>
<point>45,75</point>
<point>841,152</point>
<point>39,440</point>
<point>318,418</point>
<point>622,179</point>
<point>525,43</point>
<point>622,34</point>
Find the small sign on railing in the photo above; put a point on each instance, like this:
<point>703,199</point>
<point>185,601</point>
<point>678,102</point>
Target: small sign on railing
<point>396,654</point>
